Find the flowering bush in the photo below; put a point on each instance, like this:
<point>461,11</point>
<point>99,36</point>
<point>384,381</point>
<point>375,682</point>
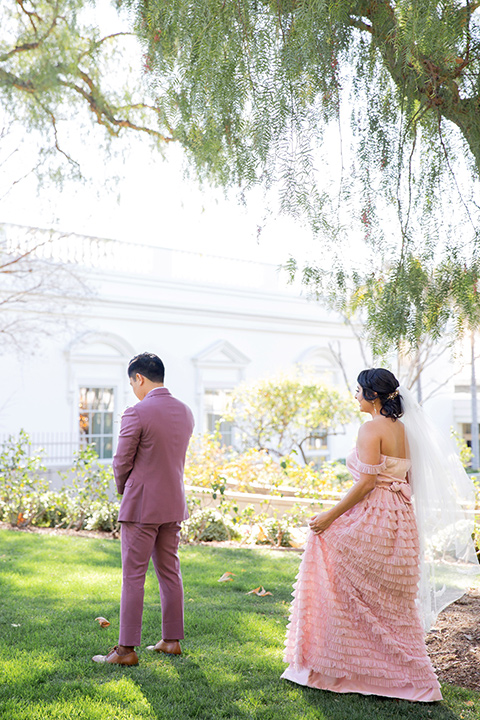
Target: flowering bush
<point>219,469</point>
<point>209,463</point>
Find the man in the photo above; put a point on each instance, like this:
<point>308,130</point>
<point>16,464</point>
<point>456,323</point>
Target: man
<point>148,468</point>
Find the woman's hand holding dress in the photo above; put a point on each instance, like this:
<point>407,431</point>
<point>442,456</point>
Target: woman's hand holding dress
<point>321,522</point>
<point>368,448</point>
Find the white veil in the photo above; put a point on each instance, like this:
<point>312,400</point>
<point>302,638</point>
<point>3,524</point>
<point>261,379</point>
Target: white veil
<point>444,502</point>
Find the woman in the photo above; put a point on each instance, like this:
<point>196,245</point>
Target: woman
<point>355,624</point>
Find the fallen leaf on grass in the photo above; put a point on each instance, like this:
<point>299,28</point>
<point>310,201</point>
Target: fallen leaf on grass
<point>103,622</point>
<point>470,703</point>
<point>226,577</point>
<point>260,591</point>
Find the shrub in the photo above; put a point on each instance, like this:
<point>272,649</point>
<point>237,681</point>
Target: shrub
<point>22,481</point>
<point>52,510</point>
<point>277,532</point>
<point>465,453</point>
<point>476,529</point>
<point>86,494</point>
<point>207,525</point>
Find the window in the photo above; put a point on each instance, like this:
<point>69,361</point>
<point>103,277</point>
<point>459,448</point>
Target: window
<point>96,419</point>
<point>317,442</point>
<point>215,404</point>
<point>466,433</point>
<point>316,448</point>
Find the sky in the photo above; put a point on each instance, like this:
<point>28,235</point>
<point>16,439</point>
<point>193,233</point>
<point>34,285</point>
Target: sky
<point>152,202</point>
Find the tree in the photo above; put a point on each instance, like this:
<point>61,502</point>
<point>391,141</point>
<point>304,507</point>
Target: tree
<point>414,311</point>
<point>245,81</point>
<point>64,86</point>
<point>60,76</point>
<point>39,289</point>
<point>252,89</point>
<point>282,414</point>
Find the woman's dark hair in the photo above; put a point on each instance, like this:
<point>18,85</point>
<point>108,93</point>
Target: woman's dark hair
<point>381,383</point>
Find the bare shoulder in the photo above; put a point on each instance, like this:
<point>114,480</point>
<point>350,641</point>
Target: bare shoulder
<point>369,431</point>
<point>393,438</point>
<point>369,442</point>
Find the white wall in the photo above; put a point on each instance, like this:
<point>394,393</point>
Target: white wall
<point>213,322</point>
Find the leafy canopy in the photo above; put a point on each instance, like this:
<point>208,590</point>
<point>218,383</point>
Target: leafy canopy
<point>254,88</point>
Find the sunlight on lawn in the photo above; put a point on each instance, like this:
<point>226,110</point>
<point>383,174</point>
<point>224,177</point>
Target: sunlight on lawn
<point>53,588</point>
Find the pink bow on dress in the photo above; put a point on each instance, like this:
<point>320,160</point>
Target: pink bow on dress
<point>404,488</point>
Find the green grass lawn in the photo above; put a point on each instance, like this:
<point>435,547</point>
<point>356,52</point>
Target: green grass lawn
<point>53,587</point>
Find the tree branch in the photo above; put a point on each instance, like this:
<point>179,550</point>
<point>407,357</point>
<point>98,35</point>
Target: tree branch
<point>434,86</point>
<point>53,120</point>
<point>30,15</point>
<point>360,25</point>
<point>25,47</point>
<point>104,112</point>
<point>21,257</point>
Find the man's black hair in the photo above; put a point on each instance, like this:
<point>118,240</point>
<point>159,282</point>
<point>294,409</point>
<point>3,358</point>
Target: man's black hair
<point>148,365</point>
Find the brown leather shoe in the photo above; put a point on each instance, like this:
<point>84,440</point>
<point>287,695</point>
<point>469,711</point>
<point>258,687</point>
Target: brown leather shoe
<point>169,648</point>
<point>114,658</point>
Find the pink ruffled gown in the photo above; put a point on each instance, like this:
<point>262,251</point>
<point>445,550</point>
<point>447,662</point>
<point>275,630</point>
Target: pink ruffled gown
<point>354,624</point>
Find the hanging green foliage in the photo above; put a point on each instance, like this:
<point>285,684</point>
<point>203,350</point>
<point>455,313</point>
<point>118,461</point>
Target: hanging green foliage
<point>253,89</point>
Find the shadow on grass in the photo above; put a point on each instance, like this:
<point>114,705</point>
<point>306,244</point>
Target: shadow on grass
<point>54,588</point>
<point>360,707</point>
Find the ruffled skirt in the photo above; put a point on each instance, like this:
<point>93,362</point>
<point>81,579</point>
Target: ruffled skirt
<point>354,624</point>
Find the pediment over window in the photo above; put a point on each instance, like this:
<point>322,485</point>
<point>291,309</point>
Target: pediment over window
<point>221,354</point>
<point>321,362</point>
<point>220,366</point>
<point>91,345</point>
<point>318,357</point>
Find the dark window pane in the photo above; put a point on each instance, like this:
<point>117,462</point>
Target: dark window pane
<point>96,423</point>
<point>107,451</point>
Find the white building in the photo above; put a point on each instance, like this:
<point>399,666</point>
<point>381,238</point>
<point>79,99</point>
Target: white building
<point>214,321</point>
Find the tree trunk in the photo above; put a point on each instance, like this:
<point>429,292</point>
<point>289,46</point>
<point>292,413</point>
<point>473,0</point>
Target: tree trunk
<point>474,430</point>
<point>434,86</point>
<point>419,389</point>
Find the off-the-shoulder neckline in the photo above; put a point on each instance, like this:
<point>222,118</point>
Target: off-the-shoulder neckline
<point>393,457</point>
<point>382,455</point>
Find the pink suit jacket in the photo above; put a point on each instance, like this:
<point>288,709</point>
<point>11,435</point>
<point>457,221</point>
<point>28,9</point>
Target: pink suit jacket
<point>150,458</point>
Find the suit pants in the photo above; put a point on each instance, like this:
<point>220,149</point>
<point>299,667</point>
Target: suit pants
<point>140,542</point>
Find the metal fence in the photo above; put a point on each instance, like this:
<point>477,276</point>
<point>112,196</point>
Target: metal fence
<point>55,448</point>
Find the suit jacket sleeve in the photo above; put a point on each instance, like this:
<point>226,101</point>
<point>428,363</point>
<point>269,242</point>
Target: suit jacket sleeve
<point>128,440</point>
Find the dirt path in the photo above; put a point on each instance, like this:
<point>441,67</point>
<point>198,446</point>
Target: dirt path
<point>454,643</point>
